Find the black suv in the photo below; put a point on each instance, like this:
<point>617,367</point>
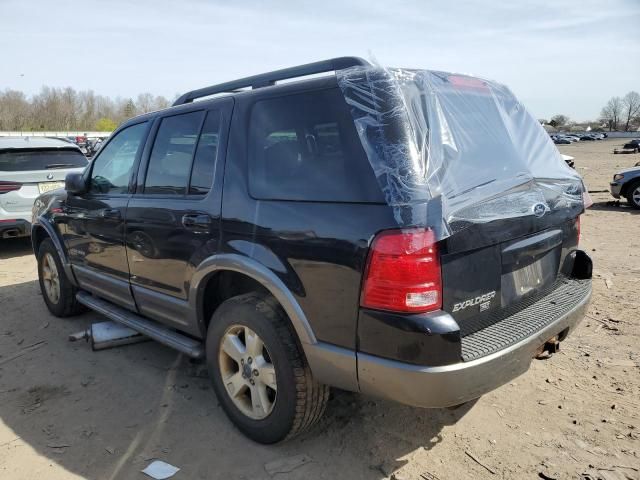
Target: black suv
<point>274,231</point>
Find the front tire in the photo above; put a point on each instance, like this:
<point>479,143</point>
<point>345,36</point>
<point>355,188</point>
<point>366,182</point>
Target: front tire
<point>633,195</point>
<point>259,372</point>
<point>58,292</point>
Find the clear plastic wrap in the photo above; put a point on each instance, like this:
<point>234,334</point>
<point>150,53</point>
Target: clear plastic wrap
<point>450,149</point>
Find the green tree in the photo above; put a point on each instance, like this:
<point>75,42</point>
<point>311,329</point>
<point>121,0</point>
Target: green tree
<point>559,120</point>
<point>105,125</point>
<point>129,109</point>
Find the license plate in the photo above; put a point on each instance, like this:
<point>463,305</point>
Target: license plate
<point>532,278</point>
<point>48,186</point>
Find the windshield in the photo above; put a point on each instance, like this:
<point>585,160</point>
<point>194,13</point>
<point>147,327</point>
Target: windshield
<point>41,159</point>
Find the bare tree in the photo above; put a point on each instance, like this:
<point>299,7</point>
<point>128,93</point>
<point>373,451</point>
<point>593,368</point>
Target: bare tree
<point>611,112</point>
<point>161,102</point>
<point>56,108</point>
<point>15,110</point>
<point>631,108</point>
<point>145,103</point>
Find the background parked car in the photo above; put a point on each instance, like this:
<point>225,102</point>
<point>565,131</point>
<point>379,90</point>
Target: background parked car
<point>30,166</point>
<point>633,145</point>
<point>626,184</point>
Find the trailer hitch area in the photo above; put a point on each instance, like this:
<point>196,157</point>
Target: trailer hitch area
<point>548,348</point>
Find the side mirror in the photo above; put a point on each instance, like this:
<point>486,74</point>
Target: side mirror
<point>75,183</point>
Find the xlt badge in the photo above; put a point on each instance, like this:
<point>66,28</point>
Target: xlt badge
<point>483,300</point>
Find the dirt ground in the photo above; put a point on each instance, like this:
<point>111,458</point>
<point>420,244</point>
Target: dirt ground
<point>69,413</point>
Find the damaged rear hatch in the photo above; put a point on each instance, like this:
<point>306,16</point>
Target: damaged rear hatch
<point>462,156</point>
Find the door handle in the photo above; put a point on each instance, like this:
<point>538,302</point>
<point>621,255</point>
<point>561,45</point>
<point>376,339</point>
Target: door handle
<point>111,214</point>
<point>198,222</point>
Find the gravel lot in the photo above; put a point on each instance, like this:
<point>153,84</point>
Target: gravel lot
<point>67,412</point>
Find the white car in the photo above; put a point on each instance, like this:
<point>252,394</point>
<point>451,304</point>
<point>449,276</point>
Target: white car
<point>30,166</point>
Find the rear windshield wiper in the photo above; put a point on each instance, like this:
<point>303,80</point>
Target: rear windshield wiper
<point>61,165</point>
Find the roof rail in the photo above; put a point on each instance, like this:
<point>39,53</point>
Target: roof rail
<point>270,78</point>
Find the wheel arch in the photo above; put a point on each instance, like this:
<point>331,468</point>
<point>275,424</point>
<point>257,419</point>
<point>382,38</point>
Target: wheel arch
<point>43,229</point>
<point>239,266</point>
<point>330,364</point>
<point>38,234</point>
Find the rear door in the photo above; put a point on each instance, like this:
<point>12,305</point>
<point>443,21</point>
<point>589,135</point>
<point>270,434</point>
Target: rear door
<point>173,218</point>
<point>94,233</point>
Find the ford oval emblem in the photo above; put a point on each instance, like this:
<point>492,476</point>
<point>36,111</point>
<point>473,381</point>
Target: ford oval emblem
<point>49,176</point>
<point>539,209</point>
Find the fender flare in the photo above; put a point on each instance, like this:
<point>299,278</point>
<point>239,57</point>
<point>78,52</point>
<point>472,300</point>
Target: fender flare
<point>50,230</point>
<point>260,273</point>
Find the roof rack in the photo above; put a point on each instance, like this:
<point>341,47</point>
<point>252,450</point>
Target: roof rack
<point>270,78</point>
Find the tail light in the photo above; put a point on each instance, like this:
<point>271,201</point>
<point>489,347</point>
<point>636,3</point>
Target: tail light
<point>578,227</point>
<point>9,186</point>
<point>403,272</point>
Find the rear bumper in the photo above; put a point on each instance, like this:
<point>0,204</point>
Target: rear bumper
<point>14,228</point>
<point>450,385</point>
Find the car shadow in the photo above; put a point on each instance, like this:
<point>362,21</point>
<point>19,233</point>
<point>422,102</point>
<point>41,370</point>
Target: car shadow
<point>14,247</point>
<point>106,414</point>
<point>615,206</point>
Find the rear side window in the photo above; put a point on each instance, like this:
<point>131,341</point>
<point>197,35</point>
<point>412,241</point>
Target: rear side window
<point>305,147</point>
<point>172,154</point>
<point>41,159</point>
<point>206,156</point>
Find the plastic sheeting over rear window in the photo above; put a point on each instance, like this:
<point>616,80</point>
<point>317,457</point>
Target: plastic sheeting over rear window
<point>449,149</point>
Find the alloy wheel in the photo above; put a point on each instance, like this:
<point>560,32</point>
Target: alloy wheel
<point>247,371</point>
<point>51,279</point>
<point>636,196</point>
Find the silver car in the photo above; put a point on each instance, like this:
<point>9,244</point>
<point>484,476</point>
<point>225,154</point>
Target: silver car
<point>30,166</point>
<point>626,183</point>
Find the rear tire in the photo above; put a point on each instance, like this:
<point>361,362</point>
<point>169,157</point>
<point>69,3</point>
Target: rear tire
<point>289,399</point>
<point>58,292</point>
<point>633,195</point>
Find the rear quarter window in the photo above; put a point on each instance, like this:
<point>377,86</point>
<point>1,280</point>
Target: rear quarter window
<point>40,159</point>
<point>305,147</point>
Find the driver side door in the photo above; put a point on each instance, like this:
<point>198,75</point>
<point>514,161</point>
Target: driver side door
<point>96,219</point>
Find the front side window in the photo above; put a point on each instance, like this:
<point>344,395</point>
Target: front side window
<point>112,169</point>
<point>172,154</point>
<point>305,147</point>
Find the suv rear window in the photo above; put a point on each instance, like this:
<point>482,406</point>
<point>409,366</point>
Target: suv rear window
<point>40,159</point>
<point>305,147</point>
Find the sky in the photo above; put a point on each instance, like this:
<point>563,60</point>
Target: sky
<point>559,57</point>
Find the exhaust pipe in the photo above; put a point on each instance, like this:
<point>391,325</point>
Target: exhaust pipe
<point>10,233</point>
